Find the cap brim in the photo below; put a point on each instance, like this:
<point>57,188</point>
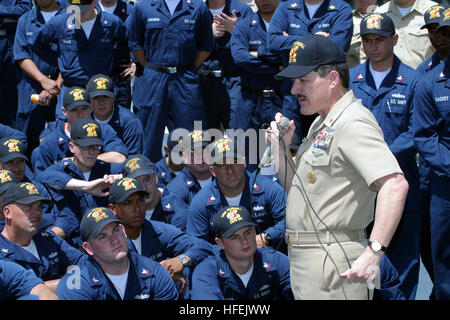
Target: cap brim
<point>97,93</point>
<point>234,155</point>
<point>31,199</point>
<point>140,172</point>
<point>292,72</point>
<point>101,225</point>
<point>378,32</point>
<point>75,104</point>
<point>124,196</point>
<point>86,142</point>
<point>235,228</point>
<point>443,24</point>
<point>12,156</point>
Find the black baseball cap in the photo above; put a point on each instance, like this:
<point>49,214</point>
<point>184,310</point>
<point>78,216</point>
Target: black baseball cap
<point>136,166</point>
<point>75,97</point>
<point>225,148</point>
<point>6,178</point>
<point>445,22</point>
<point>377,23</point>
<point>122,189</point>
<point>100,85</point>
<point>10,149</point>
<point>230,219</point>
<point>80,2</point>
<point>310,52</point>
<point>434,14</point>
<point>197,139</point>
<point>23,193</point>
<point>95,220</point>
<point>86,132</point>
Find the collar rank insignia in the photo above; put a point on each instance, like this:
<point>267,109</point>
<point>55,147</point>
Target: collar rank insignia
<point>400,78</point>
<point>359,76</point>
<point>211,199</point>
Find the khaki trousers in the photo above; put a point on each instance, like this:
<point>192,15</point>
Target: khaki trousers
<point>315,267</point>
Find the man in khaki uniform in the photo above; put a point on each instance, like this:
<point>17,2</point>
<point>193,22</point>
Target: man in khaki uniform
<point>413,45</point>
<point>340,168</point>
<point>355,54</point>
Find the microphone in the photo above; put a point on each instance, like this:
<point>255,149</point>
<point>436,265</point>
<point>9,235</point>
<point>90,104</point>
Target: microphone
<point>267,156</point>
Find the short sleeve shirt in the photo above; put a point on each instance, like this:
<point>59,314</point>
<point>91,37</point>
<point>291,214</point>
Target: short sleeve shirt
<point>342,156</point>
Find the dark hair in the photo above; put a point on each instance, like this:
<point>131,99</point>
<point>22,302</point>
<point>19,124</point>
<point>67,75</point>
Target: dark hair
<point>340,67</point>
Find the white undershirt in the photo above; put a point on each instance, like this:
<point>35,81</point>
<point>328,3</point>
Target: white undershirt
<point>87,26</point>
<point>246,276</point>
<point>378,76</point>
<point>31,248</point>
<point>312,8</point>
<point>138,242</point>
<point>148,214</point>
<point>204,183</point>
<point>403,11</point>
<point>172,5</point>
<point>87,175</point>
<point>48,15</point>
<point>234,201</point>
<point>119,281</point>
<point>104,121</point>
<point>108,9</point>
<point>216,11</point>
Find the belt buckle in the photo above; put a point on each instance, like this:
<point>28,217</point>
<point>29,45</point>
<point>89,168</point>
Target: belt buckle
<point>171,70</point>
<point>268,93</point>
<point>217,73</point>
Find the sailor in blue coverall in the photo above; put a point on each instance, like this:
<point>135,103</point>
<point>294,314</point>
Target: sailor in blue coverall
<point>122,88</point>
<point>239,270</point>
<point>290,22</point>
<point>154,239</point>
<point>432,18</point>
<point>79,57</point>
<point>16,282</point>
<point>10,12</point>
<point>431,127</point>
<point>144,278</point>
<point>220,77</point>
<point>171,46</point>
<point>263,196</point>
<point>391,104</point>
<point>31,117</point>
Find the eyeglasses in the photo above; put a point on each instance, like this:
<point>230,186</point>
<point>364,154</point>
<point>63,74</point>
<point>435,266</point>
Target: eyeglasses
<point>89,148</point>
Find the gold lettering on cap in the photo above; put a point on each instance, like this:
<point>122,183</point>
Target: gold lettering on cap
<point>373,21</point>
<point>78,94</point>
<point>127,184</point>
<point>91,129</point>
<point>98,214</point>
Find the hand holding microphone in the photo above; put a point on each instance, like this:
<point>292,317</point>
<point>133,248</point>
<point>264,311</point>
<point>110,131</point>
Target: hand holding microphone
<point>276,130</point>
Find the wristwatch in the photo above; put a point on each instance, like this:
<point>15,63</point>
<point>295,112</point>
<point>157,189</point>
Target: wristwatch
<point>376,246</point>
<point>184,260</point>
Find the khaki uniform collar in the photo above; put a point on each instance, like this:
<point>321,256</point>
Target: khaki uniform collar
<point>336,110</point>
<point>417,6</point>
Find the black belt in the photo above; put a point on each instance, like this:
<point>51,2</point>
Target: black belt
<point>169,70</point>
<point>266,93</point>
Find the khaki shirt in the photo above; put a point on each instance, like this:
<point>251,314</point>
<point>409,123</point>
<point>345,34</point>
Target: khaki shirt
<point>413,46</point>
<point>355,54</point>
<point>337,173</point>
